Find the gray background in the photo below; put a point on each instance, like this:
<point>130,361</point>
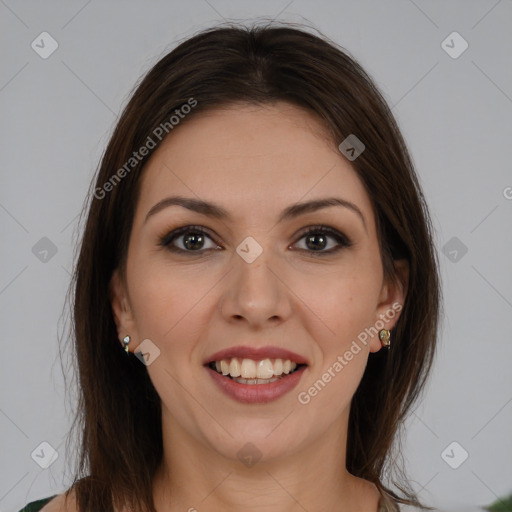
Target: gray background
<point>57,114</point>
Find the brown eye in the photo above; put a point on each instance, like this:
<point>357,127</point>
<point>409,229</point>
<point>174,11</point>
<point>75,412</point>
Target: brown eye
<point>193,241</point>
<point>317,239</point>
<point>188,239</point>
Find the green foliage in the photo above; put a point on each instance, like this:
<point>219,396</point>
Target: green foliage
<point>501,505</point>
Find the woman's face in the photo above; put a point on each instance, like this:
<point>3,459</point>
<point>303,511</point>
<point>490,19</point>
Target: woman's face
<point>245,281</point>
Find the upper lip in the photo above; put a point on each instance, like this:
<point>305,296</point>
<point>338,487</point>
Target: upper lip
<point>257,354</point>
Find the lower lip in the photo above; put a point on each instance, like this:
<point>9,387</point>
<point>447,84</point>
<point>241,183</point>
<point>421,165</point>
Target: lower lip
<point>256,393</point>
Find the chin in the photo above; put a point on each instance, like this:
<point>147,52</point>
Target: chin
<point>258,439</point>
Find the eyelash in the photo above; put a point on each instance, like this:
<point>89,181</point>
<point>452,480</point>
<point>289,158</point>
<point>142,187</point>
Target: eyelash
<point>343,241</point>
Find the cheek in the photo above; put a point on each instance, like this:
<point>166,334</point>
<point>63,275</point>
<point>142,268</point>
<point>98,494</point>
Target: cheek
<point>347,308</point>
<point>169,302</point>
<point>345,300</point>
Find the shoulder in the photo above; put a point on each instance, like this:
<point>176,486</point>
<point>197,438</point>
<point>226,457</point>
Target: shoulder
<point>61,503</point>
<point>35,506</point>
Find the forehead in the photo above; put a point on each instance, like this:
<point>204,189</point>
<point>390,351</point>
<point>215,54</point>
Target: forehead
<point>251,158</point>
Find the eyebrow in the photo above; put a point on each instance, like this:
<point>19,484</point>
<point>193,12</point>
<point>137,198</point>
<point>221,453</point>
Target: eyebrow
<point>218,212</point>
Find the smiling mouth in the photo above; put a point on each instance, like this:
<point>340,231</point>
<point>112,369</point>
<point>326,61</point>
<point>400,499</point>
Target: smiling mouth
<point>249,371</point>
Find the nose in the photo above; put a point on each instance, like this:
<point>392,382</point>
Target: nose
<point>256,293</point>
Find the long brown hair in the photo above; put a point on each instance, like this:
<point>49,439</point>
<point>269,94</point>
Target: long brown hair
<point>118,415</point>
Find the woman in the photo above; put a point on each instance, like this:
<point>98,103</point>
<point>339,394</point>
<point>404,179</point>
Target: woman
<point>256,297</point>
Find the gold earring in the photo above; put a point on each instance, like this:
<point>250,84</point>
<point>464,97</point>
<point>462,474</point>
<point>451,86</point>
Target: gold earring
<point>126,341</point>
<point>384,336</point>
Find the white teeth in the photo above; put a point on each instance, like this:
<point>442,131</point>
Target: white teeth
<point>224,367</point>
<point>264,369</point>
<point>255,381</point>
<point>234,368</point>
<point>246,369</point>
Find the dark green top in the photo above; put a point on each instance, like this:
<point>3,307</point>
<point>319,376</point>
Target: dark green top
<point>35,506</point>
<point>385,505</point>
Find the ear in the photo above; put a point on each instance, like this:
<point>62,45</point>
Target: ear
<point>391,301</point>
<point>121,309</point>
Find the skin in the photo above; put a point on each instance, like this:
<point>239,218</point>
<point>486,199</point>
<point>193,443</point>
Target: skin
<point>254,161</point>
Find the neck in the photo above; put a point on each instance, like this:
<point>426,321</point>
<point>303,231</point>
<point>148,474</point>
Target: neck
<point>195,477</point>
